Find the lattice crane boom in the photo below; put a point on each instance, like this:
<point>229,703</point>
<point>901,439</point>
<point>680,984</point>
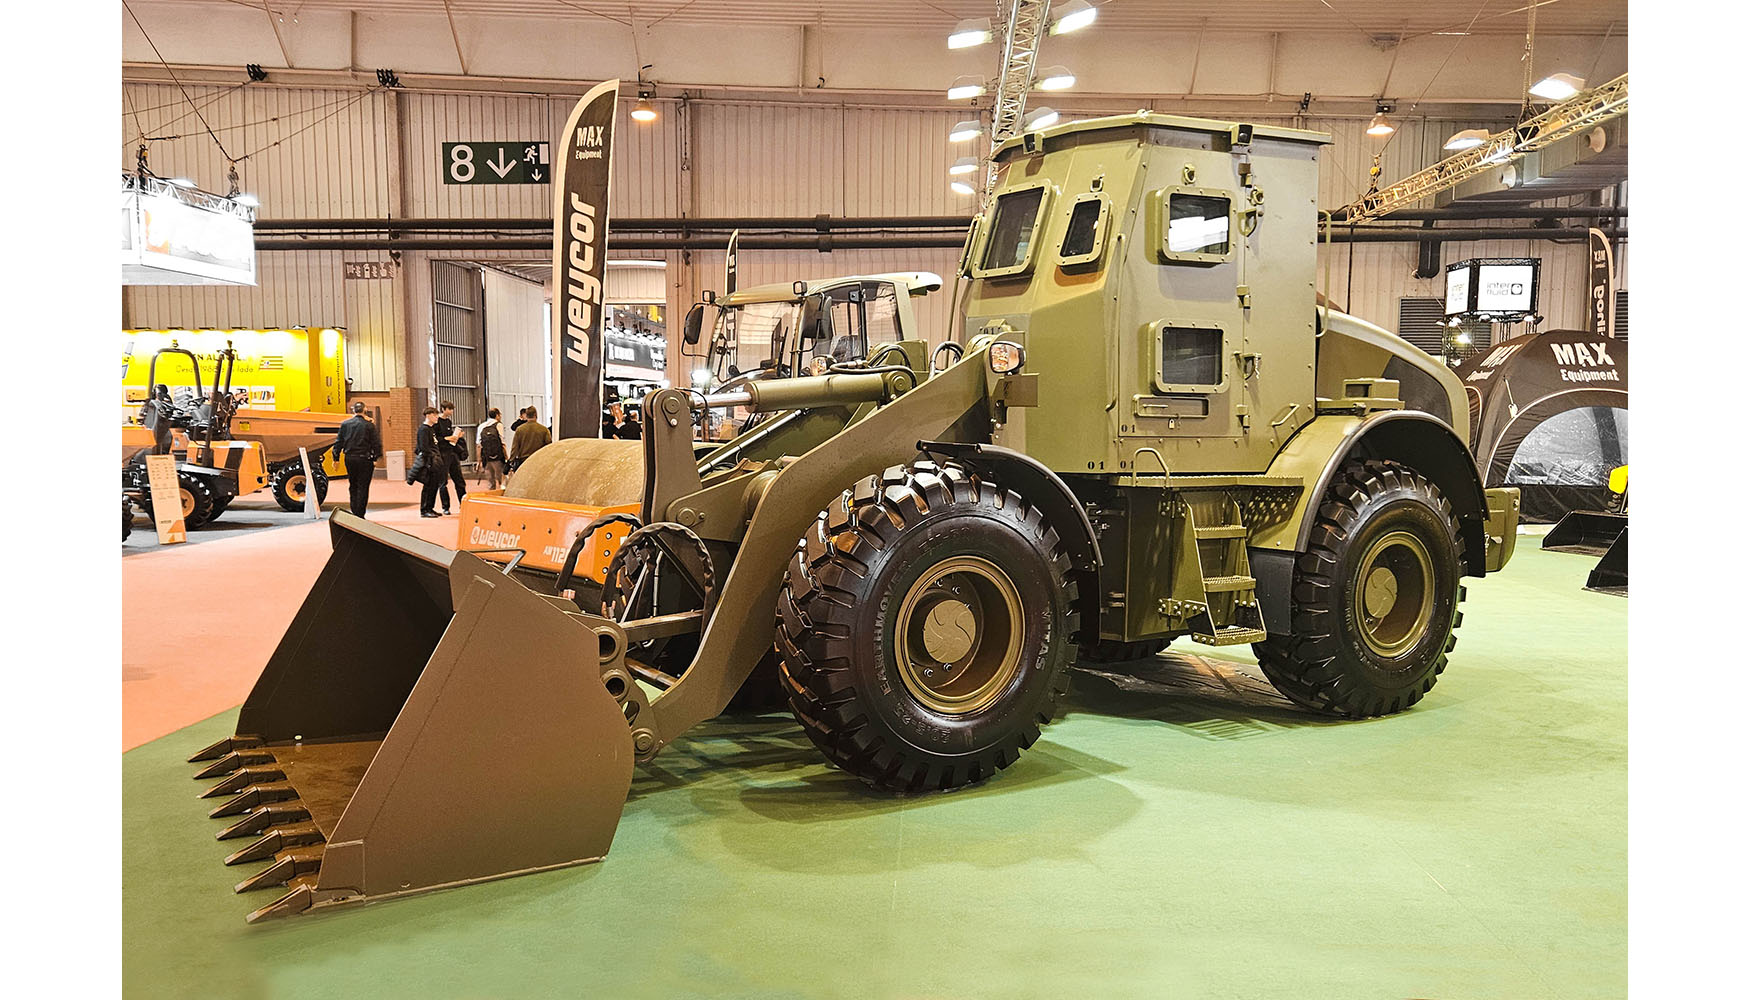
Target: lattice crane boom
<point>1583,111</point>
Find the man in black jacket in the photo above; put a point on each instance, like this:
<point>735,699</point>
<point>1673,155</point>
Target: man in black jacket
<point>428,464</point>
<point>361,445</point>
<point>448,436</point>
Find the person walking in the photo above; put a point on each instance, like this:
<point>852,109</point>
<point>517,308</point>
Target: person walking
<point>450,443</point>
<point>360,445</point>
<point>489,440</point>
<point>522,417</point>
<point>531,437</point>
<point>428,464</point>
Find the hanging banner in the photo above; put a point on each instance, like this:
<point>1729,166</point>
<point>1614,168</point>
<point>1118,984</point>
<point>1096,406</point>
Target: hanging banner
<point>729,264</point>
<point>580,230</point>
<point>1603,283</point>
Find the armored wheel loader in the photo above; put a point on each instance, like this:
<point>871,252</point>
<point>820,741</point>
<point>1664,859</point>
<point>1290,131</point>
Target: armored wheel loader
<point>1154,430</point>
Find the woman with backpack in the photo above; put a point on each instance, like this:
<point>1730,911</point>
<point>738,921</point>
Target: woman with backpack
<point>491,449</point>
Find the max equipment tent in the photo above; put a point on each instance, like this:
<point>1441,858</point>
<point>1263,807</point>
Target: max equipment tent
<point>1549,414</point>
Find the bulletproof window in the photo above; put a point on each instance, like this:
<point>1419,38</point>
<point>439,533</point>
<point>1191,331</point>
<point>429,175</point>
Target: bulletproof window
<point>1190,357</point>
<point>1085,235</point>
<point>1011,232</point>
<point>1197,224</point>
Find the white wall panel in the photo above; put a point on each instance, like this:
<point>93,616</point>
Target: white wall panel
<point>516,344</point>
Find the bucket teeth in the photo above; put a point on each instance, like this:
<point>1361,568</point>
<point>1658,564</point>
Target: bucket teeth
<point>253,796</point>
<point>289,865</point>
<point>243,779</point>
<point>265,818</point>
<point>294,902</point>
<point>234,760</point>
<point>276,840</point>
<point>225,746</point>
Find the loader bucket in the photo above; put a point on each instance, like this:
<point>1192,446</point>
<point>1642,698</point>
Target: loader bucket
<point>1610,576</point>
<point>425,722</point>
<point>1586,531</point>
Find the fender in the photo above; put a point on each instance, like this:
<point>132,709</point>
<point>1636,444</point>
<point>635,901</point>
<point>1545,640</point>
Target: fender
<point>1432,448</point>
<point>1042,488</point>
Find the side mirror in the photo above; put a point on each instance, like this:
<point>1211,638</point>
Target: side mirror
<point>695,323</point>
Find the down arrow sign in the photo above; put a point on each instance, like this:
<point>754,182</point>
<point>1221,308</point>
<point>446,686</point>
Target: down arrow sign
<point>499,166</point>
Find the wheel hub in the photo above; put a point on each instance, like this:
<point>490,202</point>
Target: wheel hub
<point>1395,593</point>
<point>958,635</point>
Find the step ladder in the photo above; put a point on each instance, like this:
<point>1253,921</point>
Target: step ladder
<point>1218,597</point>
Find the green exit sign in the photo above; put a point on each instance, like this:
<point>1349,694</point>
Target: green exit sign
<point>496,163</point>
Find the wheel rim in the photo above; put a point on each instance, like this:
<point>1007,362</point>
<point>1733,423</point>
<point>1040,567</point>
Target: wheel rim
<point>295,487</point>
<point>958,635</point>
<point>1394,593</point>
<point>187,501</point>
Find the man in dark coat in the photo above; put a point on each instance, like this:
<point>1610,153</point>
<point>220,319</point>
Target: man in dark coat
<point>360,444</point>
<point>448,438</point>
<point>429,469</point>
<point>529,438</point>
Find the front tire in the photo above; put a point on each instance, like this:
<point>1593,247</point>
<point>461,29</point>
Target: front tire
<point>288,485</point>
<point>925,628</point>
<point>1375,597</point>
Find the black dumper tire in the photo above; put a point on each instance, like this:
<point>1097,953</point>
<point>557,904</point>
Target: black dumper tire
<point>287,483</point>
<point>1375,596</point>
<point>198,502</point>
<point>127,517</point>
<point>870,585</point>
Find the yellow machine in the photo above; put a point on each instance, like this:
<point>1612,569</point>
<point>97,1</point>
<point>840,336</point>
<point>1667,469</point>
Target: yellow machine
<point>212,468</point>
<point>295,391</point>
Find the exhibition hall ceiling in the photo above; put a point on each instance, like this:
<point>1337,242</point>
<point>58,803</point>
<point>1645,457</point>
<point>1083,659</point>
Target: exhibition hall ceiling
<point>1371,17</point>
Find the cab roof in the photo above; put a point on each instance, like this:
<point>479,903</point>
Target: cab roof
<point>1155,119</point>
<point>914,283</point>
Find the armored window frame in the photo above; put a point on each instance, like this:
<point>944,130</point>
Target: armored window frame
<point>1069,260</point>
<point>970,249</point>
<point>1025,264</point>
<point>1162,218</point>
<point>1157,334</point>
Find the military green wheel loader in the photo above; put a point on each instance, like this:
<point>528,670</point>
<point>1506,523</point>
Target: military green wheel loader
<point>1153,431</point>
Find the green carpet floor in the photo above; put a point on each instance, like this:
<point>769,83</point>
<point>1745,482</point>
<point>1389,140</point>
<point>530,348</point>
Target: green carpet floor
<point>1177,833</point>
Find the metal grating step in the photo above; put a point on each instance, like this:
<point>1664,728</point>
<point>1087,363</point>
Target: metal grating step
<point>1232,635</point>
<point>1228,584</point>
<point>1222,531</point>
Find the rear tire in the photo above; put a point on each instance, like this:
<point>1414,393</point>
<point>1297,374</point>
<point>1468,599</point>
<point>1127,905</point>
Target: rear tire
<point>197,500</point>
<point>287,483</point>
<point>925,628</point>
<point>1375,596</point>
<point>127,517</point>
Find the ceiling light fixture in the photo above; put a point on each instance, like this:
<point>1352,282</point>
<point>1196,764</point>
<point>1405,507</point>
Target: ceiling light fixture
<point>970,32</point>
<point>1072,16</point>
<point>965,131</point>
<point>1470,138</point>
<point>247,199</point>
<point>964,165</point>
<point>183,182</point>
<point>1056,78</point>
<point>642,111</point>
<point>1040,118</point>
<point>961,187</point>
<point>1558,87</point>
<point>1381,126</point>
<point>966,87</point>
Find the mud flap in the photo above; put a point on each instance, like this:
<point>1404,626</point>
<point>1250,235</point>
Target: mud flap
<point>425,722</point>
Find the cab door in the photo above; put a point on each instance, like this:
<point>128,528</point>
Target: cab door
<point>1184,388</point>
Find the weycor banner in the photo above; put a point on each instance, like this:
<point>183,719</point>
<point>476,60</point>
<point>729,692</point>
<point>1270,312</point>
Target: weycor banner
<point>582,173</point>
<point>1603,284</point>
